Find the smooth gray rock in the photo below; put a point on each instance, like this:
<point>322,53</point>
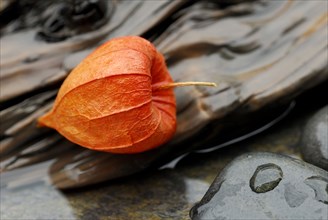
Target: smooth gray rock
<point>266,186</point>
<point>314,145</point>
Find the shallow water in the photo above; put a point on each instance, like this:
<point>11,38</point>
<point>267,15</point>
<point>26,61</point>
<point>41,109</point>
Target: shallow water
<point>153,194</point>
<point>258,57</point>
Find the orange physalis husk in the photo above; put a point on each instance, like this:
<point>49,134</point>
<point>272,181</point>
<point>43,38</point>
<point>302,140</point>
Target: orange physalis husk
<point>112,100</point>
<point>119,99</point>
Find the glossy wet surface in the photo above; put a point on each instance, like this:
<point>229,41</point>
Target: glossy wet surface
<point>265,178</point>
<point>254,50</point>
<point>154,194</point>
<point>286,194</point>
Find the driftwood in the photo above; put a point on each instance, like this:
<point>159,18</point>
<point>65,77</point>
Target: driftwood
<point>262,54</point>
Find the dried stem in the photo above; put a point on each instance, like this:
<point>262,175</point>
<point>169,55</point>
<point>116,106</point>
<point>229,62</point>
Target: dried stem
<point>179,84</point>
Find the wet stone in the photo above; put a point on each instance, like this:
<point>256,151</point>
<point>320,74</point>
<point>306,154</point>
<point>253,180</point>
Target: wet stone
<point>294,198</point>
<point>266,186</point>
<point>320,187</point>
<point>314,144</point>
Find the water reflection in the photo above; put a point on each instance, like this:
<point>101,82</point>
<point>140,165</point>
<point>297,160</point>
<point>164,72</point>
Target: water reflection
<point>195,189</point>
<point>26,193</point>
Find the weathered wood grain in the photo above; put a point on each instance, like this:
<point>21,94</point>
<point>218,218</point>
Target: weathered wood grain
<point>262,54</point>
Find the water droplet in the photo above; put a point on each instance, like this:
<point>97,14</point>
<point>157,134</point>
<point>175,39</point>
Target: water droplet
<point>265,178</point>
<point>293,197</point>
<point>320,187</point>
